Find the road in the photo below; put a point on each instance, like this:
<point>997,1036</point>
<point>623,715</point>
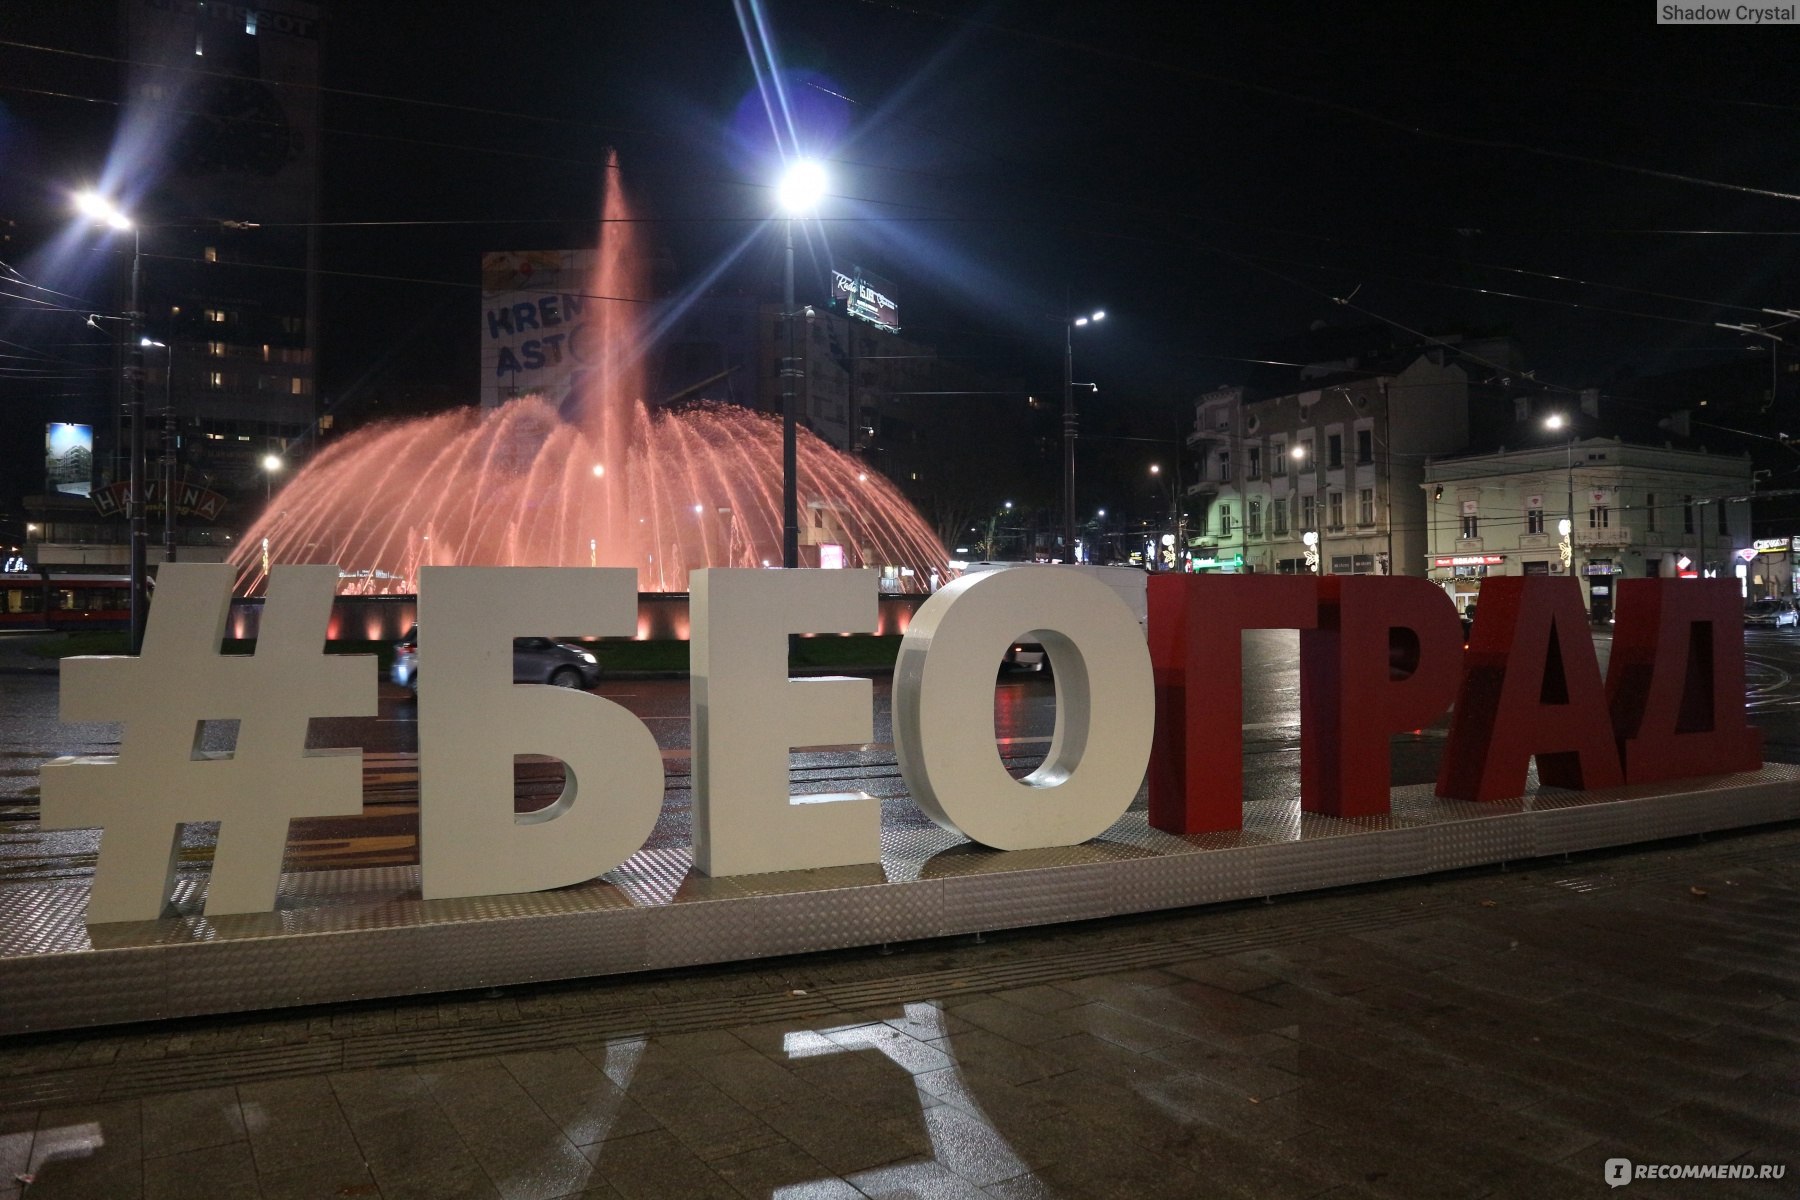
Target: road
<point>1024,717</point>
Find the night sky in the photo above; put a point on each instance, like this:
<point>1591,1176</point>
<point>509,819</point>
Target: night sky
<point>1211,175</point>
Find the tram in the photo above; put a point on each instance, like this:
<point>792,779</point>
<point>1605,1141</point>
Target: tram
<point>42,598</point>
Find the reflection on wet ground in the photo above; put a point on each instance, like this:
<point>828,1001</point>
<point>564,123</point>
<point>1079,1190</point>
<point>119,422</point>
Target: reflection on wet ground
<point>1488,1034</point>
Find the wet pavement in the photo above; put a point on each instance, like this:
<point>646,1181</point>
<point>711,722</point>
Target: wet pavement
<point>1486,1033</point>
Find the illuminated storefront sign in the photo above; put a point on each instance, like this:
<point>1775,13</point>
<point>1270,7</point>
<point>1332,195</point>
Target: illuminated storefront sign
<point>1773,545</point>
<point>1469,560</point>
<point>1172,708</point>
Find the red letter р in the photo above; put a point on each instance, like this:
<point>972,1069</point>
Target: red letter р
<point>1350,701</point>
<point>1530,686</point>
<point>1675,683</point>
<point>1196,650</point>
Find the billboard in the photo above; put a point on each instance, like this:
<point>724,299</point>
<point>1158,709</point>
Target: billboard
<point>69,458</point>
<point>535,320</point>
<point>868,297</point>
<point>233,88</point>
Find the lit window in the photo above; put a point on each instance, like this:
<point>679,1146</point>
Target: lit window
<point>266,352</point>
<point>211,254</point>
<point>216,315</point>
<point>215,379</point>
<point>215,349</point>
<point>250,21</point>
<point>297,386</point>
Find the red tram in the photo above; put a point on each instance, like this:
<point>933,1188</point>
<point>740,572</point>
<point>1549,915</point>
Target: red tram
<point>47,599</point>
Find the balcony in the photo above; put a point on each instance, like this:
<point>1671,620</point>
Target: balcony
<point>1615,538</point>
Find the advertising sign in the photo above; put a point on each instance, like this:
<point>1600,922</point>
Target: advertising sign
<point>191,500</point>
<point>867,297</point>
<point>69,458</point>
<point>1468,560</point>
<point>535,324</point>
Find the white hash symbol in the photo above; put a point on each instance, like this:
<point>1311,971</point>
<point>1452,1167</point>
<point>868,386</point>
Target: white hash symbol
<point>161,779</point>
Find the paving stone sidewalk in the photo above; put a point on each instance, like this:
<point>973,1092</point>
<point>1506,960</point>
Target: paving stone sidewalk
<point>1492,1033</point>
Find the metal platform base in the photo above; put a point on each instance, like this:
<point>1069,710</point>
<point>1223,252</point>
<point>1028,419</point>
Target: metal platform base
<point>347,935</point>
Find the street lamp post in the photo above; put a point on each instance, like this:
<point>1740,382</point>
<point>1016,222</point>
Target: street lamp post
<point>1176,521</point>
<point>271,463</point>
<point>98,208</point>
<point>800,190</point>
<point>1556,421</point>
<point>168,446</point>
<point>1069,427</point>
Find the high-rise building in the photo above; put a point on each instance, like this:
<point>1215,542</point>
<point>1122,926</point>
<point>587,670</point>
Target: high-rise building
<point>213,151</point>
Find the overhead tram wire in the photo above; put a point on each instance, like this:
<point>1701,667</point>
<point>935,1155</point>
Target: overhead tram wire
<point>1137,209</point>
<point>321,89</point>
<point>1337,106</point>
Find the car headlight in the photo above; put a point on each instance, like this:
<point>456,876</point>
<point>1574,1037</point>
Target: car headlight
<point>587,658</point>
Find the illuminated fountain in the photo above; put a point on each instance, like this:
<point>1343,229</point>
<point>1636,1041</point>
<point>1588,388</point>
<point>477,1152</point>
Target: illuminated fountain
<point>599,480</point>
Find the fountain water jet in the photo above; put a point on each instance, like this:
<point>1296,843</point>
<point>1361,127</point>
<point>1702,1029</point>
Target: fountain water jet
<point>600,481</point>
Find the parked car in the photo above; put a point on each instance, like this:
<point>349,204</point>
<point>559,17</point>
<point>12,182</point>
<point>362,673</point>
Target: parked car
<point>1771,614</point>
<point>1026,656</point>
<point>535,660</point>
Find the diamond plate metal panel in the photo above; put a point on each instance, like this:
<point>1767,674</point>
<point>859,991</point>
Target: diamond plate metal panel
<point>700,931</point>
<point>280,972</point>
<point>562,946</point>
<point>1197,876</point>
<point>974,903</point>
<point>339,935</point>
<point>1324,857</point>
<point>804,921</point>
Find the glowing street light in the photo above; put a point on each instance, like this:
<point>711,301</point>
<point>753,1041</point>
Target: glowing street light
<point>599,470</point>
<point>271,465</point>
<point>801,188</point>
<point>99,209</point>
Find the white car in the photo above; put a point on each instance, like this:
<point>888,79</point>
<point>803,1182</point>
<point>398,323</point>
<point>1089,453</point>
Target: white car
<point>1770,614</point>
